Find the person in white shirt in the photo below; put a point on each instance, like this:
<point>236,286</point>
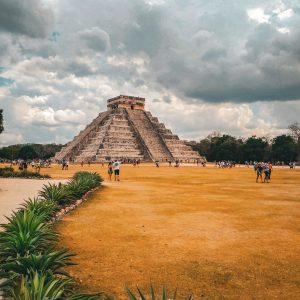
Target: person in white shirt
<point>116,168</point>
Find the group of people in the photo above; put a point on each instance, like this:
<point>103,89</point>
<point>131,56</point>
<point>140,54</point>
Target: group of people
<point>176,165</point>
<point>225,164</point>
<point>265,169</point>
<point>36,164</point>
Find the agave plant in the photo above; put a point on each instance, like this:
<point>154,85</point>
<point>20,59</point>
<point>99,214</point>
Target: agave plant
<point>25,233</point>
<point>77,188</point>
<point>94,178</point>
<point>164,295</point>
<point>51,262</point>
<point>84,297</point>
<point>40,206</point>
<point>41,287</point>
<point>56,193</point>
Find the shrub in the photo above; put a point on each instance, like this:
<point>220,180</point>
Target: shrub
<point>25,233</point>
<point>7,172</point>
<point>77,188</point>
<point>50,262</point>
<point>39,286</point>
<point>153,296</point>
<point>29,267</point>
<point>56,193</point>
<point>94,178</point>
<point>42,207</point>
<point>81,183</point>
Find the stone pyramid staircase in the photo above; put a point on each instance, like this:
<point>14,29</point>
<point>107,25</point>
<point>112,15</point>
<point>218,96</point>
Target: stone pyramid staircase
<point>178,149</point>
<point>125,133</point>
<point>73,148</point>
<point>150,135</point>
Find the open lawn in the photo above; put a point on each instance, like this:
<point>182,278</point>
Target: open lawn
<point>213,232</point>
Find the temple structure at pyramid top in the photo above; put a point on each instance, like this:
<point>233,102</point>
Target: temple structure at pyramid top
<point>126,131</point>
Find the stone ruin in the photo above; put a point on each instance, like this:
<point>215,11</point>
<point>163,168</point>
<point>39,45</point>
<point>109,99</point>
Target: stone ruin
<point>127,132</point>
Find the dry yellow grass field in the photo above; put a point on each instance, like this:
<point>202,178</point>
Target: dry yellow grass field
<point>213,232</point>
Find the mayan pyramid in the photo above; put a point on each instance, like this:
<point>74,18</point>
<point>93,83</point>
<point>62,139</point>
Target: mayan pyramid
<point>126,132</point>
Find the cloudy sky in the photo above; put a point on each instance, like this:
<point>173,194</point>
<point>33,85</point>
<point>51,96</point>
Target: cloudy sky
<point>226,65</point>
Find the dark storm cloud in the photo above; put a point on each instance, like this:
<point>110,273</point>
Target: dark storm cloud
<point>28,17</point>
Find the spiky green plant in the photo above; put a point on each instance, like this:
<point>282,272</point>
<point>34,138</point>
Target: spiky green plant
<point>153,296</point>
<point>77,188</point>
<point>50,261</point>
<point>25,233</point>
<point>31,269</point>
<point>40,287</point>
<point>56,193</point>
<point>94,178</point>
<point>84,297</point>
<point>40,207</point>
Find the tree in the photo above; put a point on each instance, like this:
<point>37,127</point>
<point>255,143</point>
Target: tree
<point>284,148</point>
<point>295,132</point>
<point>1,120</point>
<point>225,147</point>
<point>27,152</point>
<point>255,149</point>
<point>42,151</point>
<point>203,147</point>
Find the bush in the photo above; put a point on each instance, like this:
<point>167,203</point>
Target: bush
<point>50,262</point>
<point>56,193</point>
<point>30,268</point>
<point>40,206</point>
<point>7,172</point>
<point>39,286</point>
<point>64,194</point>
<point>153,296</point>
<point>94,179</point>
<point>26,233</point>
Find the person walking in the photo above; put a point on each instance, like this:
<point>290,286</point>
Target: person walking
<point>270,170</point>
<point>116,168</point>
<point>110,170</point>
<point>259,171</point>
<point>267,173</point>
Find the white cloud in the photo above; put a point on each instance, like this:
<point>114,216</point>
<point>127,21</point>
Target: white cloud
<point>258,15</point>
<point>285,14</point>
<point>10,138</point>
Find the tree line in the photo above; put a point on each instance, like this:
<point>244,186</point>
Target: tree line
<point>29,151</point>
<point>1,120</point>
<point>217,147</point>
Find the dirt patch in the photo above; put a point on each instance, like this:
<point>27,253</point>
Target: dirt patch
<point>213,232</point>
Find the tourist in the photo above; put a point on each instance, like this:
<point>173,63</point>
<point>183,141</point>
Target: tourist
<point>110,170</point>
<point>116,168</point>
<point>37,167</point>
<point>270,169</point>
<point>259,171</point>
<point>157,163</point>
<point>82,163</point>
<point>266,169</point>
<point>176,164</point>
